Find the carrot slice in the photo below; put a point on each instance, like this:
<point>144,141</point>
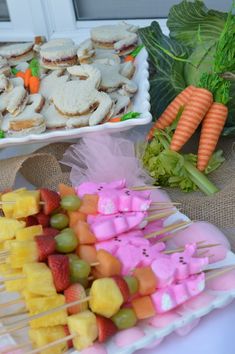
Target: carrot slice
<point>27,76</point>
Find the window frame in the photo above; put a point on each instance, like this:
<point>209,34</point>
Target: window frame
<point>26,21</point>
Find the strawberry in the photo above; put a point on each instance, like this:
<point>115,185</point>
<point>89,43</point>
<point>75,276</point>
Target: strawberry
<point>46,246</point>
<point>31,220</point>
<point>73,293</point>
<point>123,287</point>
<point>51,200</point>
<point>59,265</point>
<point>42,219</point>
<point>50,231</point>
<point>67,333</point>
<point>106,328</point>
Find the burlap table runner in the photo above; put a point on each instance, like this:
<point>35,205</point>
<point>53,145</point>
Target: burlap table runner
<point>43,169</point>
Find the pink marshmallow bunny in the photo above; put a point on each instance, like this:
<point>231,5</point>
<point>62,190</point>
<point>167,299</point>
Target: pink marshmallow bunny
<point>96,188</point>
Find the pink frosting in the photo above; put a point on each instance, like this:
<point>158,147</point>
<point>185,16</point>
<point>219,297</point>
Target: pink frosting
<point>163,320</point>
<point>128,336</point>
<point>95,349</point>
<point>183,331</point>
<point>202,231</point>
<point>223,282</point>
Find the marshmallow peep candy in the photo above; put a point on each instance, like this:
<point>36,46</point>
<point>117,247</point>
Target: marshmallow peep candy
<point>178,266</point>
<point>176,294</point>
<point>202,231</point>
<point>132,256</point>
<point>124,200</point>
<point>105,227</point>
<point>96,188</point>
<point>134,238</point>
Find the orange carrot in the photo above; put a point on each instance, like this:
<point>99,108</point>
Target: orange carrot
<point>20,74</point>
<point>170,113</point>
<point>34,83</point>
<point>27,77</point>
<point>129,58</point>
<point>115,120</point>
<point>194,112</point>
<point>212,126</point>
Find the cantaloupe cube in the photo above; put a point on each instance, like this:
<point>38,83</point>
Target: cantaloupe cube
<point>105,297</point>
<point>75,216</point>
<point>87,253</point>
<point>89,204</point>
<point>108,264</point>
<point>43,336</point>
<point>147,280</point>
<point>64,190</point>
<point>22,252</point>
<point>143,307</point>
<point>28,233</point>
<point>84,325</point>
<point>39,279</point>
<point>83,233</point>
<point>9,227</point>
<point>40,304</point>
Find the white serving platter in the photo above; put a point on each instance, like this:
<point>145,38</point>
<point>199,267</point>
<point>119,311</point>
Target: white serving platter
<point>152,334</point>
<point>140,103</point>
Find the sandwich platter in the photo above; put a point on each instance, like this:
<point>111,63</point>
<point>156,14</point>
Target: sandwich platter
<point>138,102</point>
<point>149,333</point>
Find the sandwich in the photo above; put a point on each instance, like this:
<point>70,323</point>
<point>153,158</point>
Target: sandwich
<point>17,52</point>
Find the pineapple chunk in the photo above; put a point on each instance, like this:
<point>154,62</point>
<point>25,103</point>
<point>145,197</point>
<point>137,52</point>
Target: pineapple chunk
<point>26,204</point>
<point>43,336</point>
<point>15,285</point>
<point>9,227</point>
<point>22,252</point>
<point>28,233</point>
<point>84,326</point>
<point>10,197</point>
<point>5,268</point>
<point>39,279</point>
<point>7,244</point>
<point>40,304</point>
<point>27,295</point>
<point>106,298</point>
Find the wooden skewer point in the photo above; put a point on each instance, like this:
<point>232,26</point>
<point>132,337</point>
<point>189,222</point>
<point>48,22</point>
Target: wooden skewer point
<point>144,188</point>
<point>181,249</point>
<point>221,271</point>
<point>159,216</point>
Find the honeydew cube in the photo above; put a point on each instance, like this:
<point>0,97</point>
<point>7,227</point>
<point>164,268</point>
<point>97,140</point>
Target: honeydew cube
<point>39,279</point>
<point>10,197</point>
<point>43,336</point>
<point>28,233</point>
<point>106,298</point>
<point>84,326</point>
<point>9,227</point>
<point>26,204</point>
<point>40,304</point>
<point>22,252</point>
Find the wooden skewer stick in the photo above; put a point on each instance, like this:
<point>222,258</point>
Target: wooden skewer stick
<point>173,227</point>
<point>165,203</point>
<point>159,216</point>
<point>52,344</point>
<point>15,347</point>
<point>199,248</point>
<point>144,188</point>
<point>22,311</point>
<point>25,321</point>
<point>221,271</point>
<point>2,289</point>
<point>16,277</point>
<point>12,302</point>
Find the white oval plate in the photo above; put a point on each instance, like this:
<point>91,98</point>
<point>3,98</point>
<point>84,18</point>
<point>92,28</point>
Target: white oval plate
<point>141,104</point>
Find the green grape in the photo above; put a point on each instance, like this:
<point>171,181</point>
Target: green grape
<point>132,283</point>
<point>124,318</point>
<point>68,230</point>
<point>72,257</point>
<point>70,202</point>
<point>59,221</point>
<point>79,269</point>
<point>66,242</point>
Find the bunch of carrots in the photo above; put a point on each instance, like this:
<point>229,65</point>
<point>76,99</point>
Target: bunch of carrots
<point>198,106</point>
<point>30,77</point>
